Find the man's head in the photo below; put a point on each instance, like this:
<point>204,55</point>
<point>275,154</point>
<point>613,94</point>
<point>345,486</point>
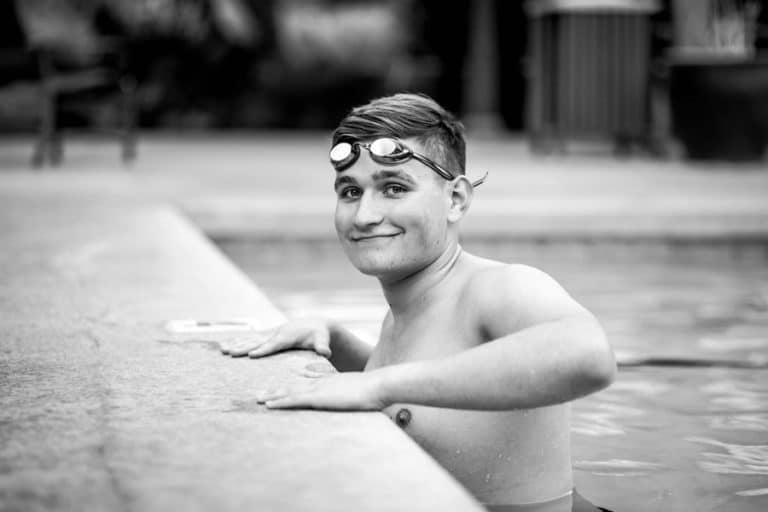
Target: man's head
<point>400,184</point>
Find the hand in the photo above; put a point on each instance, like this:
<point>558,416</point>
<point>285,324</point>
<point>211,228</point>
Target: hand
<point>307,334</point>
<point>349,391</point>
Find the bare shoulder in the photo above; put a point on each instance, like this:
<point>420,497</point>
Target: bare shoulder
<point>509,297</point>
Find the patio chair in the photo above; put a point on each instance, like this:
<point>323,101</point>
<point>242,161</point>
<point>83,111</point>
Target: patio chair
<point>69,86</point>
<point>71,91</point>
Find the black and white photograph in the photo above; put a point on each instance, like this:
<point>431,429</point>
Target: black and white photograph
<point>384,255</point>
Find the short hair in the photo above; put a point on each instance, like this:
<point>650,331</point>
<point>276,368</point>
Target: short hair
<point>407,115</point>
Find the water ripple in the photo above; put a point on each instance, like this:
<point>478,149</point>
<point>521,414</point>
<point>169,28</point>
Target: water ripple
<point>639,387</point>
<point>604,420</point>
<point>740,459</point>
<point>618,467</point>
<point>732,344</point>
<point>753,492</point>
<point>753,422</point>
<point>736,396</point>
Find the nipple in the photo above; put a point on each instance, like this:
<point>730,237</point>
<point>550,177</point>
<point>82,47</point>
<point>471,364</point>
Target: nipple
<point>403,418</point>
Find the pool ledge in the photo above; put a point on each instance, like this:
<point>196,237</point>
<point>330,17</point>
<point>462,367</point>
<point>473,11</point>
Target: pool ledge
<point>103,409</point>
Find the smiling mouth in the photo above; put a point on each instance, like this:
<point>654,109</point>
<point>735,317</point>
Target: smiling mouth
<point>372,237</point>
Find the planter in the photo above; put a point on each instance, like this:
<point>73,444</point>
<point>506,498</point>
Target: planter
<point>719,107</point>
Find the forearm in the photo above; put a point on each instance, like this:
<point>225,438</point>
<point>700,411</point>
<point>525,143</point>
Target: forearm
<point>348,352</point>
<point>543,365</point>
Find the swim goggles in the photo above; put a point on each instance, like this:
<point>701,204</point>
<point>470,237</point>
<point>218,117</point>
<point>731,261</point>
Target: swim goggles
<point>385,151</point>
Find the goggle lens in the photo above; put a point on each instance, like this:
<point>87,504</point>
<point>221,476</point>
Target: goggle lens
<point>384,147</point>
<point>341,152</point>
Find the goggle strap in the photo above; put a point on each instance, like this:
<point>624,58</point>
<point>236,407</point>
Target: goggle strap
<point>401,153</point>
<point>481,180</point>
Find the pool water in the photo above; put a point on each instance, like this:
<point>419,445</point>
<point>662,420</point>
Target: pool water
<point>685,425</point>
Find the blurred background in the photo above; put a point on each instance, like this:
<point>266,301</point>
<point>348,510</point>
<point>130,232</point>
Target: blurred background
<point>629,72</point>
<point>625,142</point>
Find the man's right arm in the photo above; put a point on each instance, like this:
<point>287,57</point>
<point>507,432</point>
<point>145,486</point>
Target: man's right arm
<point>348,352</point>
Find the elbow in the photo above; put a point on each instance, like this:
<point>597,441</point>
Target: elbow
<point>598,366</point>
<point>602,372</point>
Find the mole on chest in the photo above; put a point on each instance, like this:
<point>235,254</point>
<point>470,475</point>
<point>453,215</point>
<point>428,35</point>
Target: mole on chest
<point>403,417</point>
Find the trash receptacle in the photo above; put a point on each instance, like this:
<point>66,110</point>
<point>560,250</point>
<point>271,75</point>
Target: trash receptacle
<point>588,72</point>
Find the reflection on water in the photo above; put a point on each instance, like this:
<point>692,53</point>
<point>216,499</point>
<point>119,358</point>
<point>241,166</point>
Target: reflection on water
<point>662,437</point>
<point>609,415</point>
<point>739,459</point>
<point>617,467</point>
<point>755,422</point>
<point>753,492</point>
<point>734,395</point>
<point>603,420</point>
<point>704,427</point>
<point>726,344</point>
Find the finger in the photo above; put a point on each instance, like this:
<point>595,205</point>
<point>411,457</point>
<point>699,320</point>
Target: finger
<point>241,345</point>
<point>276,342</point>
<point>316,370</point>
<point>313,374</point>
<point>265,349</point>
<point>228,349</point>
<point>243,350</point>
<point>264,396</point>
<point>227,346</point>
<point>301,401</point>
<point>322,349</point>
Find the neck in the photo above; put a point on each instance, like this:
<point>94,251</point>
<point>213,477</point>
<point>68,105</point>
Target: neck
<point>410,293</point>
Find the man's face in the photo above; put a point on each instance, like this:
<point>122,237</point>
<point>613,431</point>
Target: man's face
<point>391,219</point>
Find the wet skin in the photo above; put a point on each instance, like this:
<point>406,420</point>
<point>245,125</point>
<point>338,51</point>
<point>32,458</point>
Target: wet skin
<point>477,359</point>
<point>392,224</point>
<point>517,456</point>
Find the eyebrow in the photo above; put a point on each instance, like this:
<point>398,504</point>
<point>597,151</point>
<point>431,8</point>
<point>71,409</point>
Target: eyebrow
<point>341,180</point>
<point>377,176</point>
<point>396,173</point>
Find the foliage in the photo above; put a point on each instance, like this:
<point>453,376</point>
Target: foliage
<point>719,27</point>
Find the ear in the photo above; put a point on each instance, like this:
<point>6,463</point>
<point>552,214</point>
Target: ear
<point>461,191</point>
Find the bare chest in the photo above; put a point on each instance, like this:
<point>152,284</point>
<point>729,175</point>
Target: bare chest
<point>483,449</point>
<point>440,332</point>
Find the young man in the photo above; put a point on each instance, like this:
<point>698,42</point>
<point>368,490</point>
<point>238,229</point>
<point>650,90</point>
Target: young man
<point>477,359</point>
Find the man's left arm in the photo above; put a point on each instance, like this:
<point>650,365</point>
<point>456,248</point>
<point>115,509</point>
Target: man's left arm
<point>544,349</point>
<point>546,364</point>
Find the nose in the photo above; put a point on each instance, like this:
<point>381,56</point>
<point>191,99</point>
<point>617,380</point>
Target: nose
<point>368,212</point>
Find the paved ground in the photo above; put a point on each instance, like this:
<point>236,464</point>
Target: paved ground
<point>279,184</point>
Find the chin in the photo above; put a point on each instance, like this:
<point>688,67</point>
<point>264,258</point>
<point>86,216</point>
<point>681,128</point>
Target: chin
<point>371,266</point>
<point>376,263</point>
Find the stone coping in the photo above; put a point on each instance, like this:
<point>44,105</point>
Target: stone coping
<point>102,408</point>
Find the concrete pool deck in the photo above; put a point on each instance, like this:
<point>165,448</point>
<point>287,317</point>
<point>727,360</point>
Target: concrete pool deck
<point>279,185</point>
